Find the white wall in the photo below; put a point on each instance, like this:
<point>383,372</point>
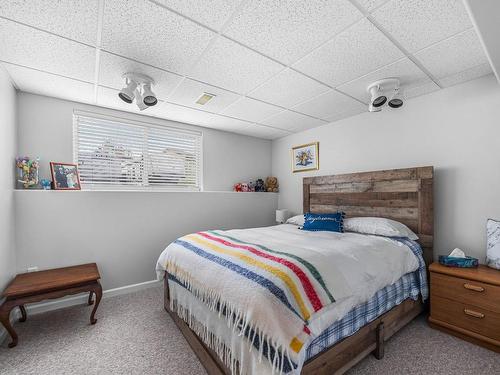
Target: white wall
<point>46,130</point>
<point>457,130</point>
<point>124,232</point>
<point>7,155</point>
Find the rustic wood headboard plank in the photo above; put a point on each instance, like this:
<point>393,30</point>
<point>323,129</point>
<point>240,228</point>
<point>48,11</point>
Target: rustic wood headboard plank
<point>405,195</point>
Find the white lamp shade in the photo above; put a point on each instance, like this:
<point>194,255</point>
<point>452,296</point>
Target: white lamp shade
<point>282,215</point>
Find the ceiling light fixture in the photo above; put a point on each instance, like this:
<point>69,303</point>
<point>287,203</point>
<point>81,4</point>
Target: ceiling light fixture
<point>205,98</point>
<point>384,91</point>
<point>138,87</point>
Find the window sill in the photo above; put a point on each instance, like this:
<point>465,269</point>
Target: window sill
<point>141,191</point>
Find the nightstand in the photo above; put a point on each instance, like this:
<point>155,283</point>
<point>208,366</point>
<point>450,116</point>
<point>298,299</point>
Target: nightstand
<point>465,302</point>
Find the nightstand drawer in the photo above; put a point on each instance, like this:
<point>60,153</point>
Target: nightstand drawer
<point>469,317</point>
<point>466,291</point>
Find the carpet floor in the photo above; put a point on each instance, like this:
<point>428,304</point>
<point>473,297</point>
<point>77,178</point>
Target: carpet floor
<point>134,335</point>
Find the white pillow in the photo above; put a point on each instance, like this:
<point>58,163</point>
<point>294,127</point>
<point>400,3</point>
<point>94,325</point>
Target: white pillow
<point>379,226</point>
<point>296,220</point>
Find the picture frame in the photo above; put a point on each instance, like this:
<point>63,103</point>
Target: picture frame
<point>65,176</point>
<point>305,157</point>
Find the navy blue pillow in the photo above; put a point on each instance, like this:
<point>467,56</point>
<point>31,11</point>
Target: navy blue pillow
<point>324,222</point>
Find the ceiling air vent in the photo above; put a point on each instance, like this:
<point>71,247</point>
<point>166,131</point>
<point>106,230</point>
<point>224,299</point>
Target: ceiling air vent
<point>205,98</point>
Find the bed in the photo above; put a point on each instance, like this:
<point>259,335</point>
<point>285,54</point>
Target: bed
<point>361,325</point>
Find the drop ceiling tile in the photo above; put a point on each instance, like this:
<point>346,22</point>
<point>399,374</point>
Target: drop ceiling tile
<point>251,110</point>
<point>225,123</point>
<point>370,5</point>
<point>288,88</point>
<point>41,83</point>
<point>466,75</point>
<point>348,113</point>
<point>418,90</point>
<point>453,55</point>
<point>228,64</point>
<point>329,104</point>
<point>292,121</point>
<point>107,97</point>
<point>357,51</point>
<point>189,91</point>
<point>266,132</point>
<point>286,30</point>
<point>112,68</point>
<point>212,13</point>
<point>417,24</point>
<point>72,19</point>
<point>36,49</point>
<point>149,33</point>
<point>408,73</point>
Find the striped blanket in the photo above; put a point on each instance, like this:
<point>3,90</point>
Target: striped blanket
<point>278,287</point>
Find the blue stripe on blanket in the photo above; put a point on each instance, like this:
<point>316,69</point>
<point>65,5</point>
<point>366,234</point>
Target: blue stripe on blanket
<point>269,285</point>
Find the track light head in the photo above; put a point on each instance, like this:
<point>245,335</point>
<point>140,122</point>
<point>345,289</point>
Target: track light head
<point>397,100</point>
<point>127,93</point>
<point>384,91</point>
<point>138,87</point>
<point>378,99</point>
<point>148,97</point>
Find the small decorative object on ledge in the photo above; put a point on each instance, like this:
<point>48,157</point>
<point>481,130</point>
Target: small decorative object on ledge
<point>493,246</point>
<point>45,184</point>
<point>27,171</point>
<point>305,157</point>
<point>259,185</point>
<point>272,185</point>
<point>65,176</point>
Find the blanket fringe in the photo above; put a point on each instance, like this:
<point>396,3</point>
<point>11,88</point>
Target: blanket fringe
<point>236,320</point>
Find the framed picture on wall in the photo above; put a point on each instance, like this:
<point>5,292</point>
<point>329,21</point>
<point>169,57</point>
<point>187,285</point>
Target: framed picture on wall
<point>305,157</point>
<point>65,176</point>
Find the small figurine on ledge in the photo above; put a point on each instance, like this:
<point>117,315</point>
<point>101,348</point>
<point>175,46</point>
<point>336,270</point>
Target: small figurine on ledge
<point>272,184</point>
<point>259,185</point>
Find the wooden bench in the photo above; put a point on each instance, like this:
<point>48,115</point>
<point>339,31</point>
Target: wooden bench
<point>37,286</point>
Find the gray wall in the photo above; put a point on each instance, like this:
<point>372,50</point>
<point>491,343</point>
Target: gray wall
<point>124,232</point>
<point>46,130</point>
<point>7,155</point>
<point>457,130</point>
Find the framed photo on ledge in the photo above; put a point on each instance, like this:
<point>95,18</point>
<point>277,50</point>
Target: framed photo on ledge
<point>305,157</point>
<point>65,176</point>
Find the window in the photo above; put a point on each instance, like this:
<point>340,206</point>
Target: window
<point>115,153</point>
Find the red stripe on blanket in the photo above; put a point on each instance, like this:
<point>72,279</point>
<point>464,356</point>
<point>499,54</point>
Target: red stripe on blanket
<point>306,284</point>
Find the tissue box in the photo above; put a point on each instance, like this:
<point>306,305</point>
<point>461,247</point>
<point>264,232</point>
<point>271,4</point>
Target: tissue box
<point>467,262</point>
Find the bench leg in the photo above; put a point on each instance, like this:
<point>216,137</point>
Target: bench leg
<point>24,315</point>
<point>98,294</point>
<point>5,320</point>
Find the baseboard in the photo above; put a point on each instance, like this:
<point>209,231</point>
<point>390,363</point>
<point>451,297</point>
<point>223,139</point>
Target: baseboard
<point>41,307</point>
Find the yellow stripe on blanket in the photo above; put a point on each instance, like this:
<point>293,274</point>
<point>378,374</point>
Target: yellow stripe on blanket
<point>249,260</point>
<point>296,345</point>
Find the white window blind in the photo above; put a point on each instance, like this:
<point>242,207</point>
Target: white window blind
<point>115,153</point>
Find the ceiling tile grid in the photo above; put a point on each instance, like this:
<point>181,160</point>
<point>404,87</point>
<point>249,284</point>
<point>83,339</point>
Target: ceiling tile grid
<point>288,88</point>
<point>275,67</point>
<point>453,55</point>
<point>408,73</point>
<point>356,51</point>
<point>286,30</point>
<point>212,13</point>
<point>73,19</point>
<point>417,24</point>
<point>230,65</point>
<point>329,105</point>
<point>149,33</point>
<point>251,110</point>
<point>23,45</point>
<point>112,68</point>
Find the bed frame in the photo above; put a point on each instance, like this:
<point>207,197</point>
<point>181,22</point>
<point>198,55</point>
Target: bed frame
<point>405,195</point>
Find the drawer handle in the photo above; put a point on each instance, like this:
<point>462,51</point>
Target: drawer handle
<point>475,288</point>
<point>474,314</point>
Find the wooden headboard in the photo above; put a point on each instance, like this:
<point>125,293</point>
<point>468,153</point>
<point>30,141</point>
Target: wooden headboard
<point>404,195</point>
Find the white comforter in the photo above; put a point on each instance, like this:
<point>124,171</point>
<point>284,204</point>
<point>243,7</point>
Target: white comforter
<point>354,266</point>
